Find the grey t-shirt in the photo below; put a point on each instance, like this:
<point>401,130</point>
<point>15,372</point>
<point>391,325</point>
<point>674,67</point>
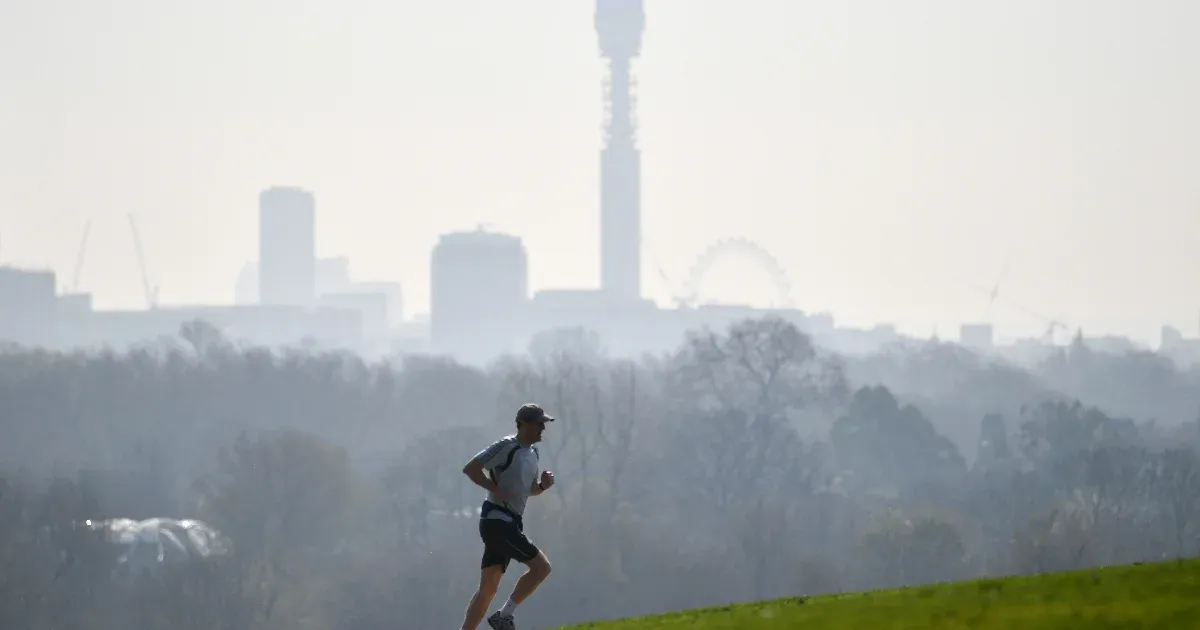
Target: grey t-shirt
<point>518,478</point>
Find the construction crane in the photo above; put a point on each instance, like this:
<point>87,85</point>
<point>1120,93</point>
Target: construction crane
<point>1052,324</point>
<point>995,292</point>
<point>87,229</point>
<point>1048,336</point>
<point>151,292</point>
<point>677,298</point>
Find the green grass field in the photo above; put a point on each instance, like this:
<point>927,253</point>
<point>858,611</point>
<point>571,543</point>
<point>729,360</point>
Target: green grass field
<point>1163,595</point>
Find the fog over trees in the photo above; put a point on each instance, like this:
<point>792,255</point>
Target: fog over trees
<point>748,464</point>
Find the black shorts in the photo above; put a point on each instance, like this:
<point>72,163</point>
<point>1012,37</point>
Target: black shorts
<point>503,542</point>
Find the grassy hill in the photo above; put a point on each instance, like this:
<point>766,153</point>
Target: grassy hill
<point>1162,595</point>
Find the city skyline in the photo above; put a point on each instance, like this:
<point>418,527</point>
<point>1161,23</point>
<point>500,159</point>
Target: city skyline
<point>1098,219</point>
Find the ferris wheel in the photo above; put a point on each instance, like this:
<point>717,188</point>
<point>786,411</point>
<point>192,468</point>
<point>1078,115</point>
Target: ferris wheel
<point>741,247</point>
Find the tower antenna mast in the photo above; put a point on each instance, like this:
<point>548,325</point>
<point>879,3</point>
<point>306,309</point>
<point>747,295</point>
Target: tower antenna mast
<point>619,26</point>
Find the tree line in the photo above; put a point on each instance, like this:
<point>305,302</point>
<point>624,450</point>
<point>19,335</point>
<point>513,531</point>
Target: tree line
<point>748,464</point>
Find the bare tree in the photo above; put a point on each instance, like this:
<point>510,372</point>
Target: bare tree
<point>616,429</point>
<point>763,367</point>
<point>1174,486</point>
<point>735,391</point>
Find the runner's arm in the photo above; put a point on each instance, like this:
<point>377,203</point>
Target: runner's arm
<point>474,471</point>
<point>538,488</point>
<point>476,468</point>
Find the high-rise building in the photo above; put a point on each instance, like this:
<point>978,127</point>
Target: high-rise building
<point>619,25</point>
<point>287,252</point>
<point>478,294</point>
<point>28,307</point>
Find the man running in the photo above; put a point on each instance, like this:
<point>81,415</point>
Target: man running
<point>509,471</point>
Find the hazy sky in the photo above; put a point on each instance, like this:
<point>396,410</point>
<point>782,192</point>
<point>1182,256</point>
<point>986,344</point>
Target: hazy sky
<point>890,154</point>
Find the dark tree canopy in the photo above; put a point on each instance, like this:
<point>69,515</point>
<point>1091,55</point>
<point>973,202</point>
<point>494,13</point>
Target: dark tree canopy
<point>750,463</point>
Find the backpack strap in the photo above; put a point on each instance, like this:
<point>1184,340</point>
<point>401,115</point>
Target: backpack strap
<point>507,462</point>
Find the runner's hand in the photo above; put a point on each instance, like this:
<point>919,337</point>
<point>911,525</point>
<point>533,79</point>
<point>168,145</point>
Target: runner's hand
<point>547,480</point>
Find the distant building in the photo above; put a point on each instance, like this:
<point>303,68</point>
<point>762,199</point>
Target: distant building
<point>371,307</point>
<point>332,278</point>
<point>1171,338</point>
<point>287,251</point>
<point>625,326</point>
<point>259,325</point>
<point>245,291</point>
<point>629,328</point>
<point>28,307</point>
<point>1183,351</point>
<point>479,294</point>
<point>393,295</point>
<point>1112,344</point>
<point>74,319</point>
<point>976,336</point>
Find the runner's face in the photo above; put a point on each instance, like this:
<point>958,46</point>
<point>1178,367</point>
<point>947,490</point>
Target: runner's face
<point>532,431</point>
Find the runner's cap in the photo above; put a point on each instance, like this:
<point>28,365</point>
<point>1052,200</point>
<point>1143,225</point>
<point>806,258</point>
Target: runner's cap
<point>530,412</point>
